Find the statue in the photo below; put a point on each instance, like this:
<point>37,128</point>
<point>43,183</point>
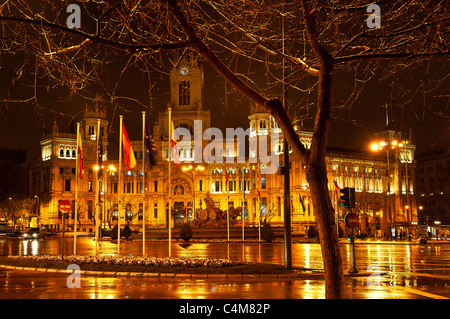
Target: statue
<point>213,216</point>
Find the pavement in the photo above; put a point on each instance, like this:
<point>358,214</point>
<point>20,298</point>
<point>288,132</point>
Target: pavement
<point>303,274</point>
<point>156,275</point>
<point>295,275</point>
<point>395,242</point>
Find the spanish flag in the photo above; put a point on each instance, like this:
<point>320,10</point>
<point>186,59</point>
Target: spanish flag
<point>337,188</point>
<point>128,153</point>
<point>80,157</point>
<point>174,142</point>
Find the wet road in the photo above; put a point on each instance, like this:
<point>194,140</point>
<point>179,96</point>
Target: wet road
<point>386,271</point>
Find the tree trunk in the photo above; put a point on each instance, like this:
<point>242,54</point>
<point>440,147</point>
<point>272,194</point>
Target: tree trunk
<point>329,241</point>
<point>316,174</point>
<point>316,171</point>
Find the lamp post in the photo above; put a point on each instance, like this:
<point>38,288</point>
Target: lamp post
<point>405,157</point>
<point>104,187</point>
<point>375,147</point>
<point>38,209</point>
<point>111,168</point>
<point>387,146</point>
<point>98,206</point>
<point>192,169</point>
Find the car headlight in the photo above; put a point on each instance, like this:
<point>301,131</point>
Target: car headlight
<point>25,235</point>
<point>34,235</point>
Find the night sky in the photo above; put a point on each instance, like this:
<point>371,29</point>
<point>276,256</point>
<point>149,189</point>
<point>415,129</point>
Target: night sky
<point>22,124</point>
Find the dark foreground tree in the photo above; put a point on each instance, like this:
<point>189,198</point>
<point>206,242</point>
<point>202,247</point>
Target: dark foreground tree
<point>324,42</point>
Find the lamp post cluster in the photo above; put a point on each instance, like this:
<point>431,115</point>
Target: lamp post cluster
<point>103,187</point>
<point>388,146</point>
<point>193,169</point>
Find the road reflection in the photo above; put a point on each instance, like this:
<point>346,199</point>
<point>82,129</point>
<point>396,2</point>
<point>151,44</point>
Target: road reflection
<point>386,270</point>
<point>384,256</point>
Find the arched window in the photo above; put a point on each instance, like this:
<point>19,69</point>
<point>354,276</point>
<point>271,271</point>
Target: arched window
<point>184,92</point>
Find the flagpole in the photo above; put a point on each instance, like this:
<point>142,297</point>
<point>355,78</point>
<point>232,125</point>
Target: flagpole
<point>120,185</point>
<point>77,169</point>
<point>336,206</point>
<point>228,207</point>
<point>97,188</point>
<point>170,193</point>
<point>243,203</point>
<point>143,183</point>
<point>259,202</point>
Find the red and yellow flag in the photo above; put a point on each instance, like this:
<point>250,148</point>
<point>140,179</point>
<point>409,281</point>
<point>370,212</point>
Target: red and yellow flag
<point>174,142</point>
<point>80,157</point>
<point>128,153</point>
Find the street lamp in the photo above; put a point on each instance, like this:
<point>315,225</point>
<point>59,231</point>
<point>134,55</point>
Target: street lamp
<point>407,186</point>
<point>97,168</point>
<point>379,146</point>
<point>111,168</point>
<point>192,169</point>
<point>104,188</point>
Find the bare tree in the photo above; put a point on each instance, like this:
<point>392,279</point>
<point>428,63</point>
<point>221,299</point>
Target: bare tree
<point>15,208</point>
<point>324,42</point>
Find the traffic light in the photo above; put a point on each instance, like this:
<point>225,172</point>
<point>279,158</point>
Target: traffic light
<point>347,198</point>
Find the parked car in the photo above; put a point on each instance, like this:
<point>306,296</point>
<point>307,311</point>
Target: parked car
<point>15,233</point>
<point>9,231</point>
<point>34,233</point>
<point>4,229</point>
<point>362,236</point>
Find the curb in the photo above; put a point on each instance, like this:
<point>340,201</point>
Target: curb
<point>183,275</point>
<point>157,275</point>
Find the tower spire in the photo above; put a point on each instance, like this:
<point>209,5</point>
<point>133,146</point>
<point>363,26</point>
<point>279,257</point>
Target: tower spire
<point>387,117</point>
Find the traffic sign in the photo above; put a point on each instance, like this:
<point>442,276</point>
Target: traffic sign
<point>352,220</point>
<point>65,206</point>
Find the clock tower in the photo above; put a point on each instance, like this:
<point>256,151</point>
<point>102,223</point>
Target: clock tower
<point>186,83</point>
<point>186,86</point>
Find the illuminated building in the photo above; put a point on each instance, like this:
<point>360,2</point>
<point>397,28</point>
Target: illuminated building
<point>53,178</point>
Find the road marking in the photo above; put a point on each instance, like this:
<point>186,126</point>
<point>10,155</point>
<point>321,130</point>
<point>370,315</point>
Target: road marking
<point>420,292</point>
<point>417,274</point>
<point>407,289</point>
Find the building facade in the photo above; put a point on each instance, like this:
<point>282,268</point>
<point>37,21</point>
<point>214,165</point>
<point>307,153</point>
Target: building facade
<point>236,175</point>
<point>433,190</point>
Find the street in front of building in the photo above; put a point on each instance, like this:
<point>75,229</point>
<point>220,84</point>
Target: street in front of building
<point>386,270</point>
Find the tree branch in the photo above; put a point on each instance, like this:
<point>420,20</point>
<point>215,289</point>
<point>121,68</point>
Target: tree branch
<point>324,106</point>
<point>95,38</point>
<point>274,106</point>
<point>274,51</point>
<point>389,56</point>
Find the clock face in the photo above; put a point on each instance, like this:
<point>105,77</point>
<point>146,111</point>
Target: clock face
<point>184,71</point>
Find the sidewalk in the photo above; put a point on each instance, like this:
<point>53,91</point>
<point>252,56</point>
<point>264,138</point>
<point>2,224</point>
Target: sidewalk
<point>296,275</point>
<point>394,242</point>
